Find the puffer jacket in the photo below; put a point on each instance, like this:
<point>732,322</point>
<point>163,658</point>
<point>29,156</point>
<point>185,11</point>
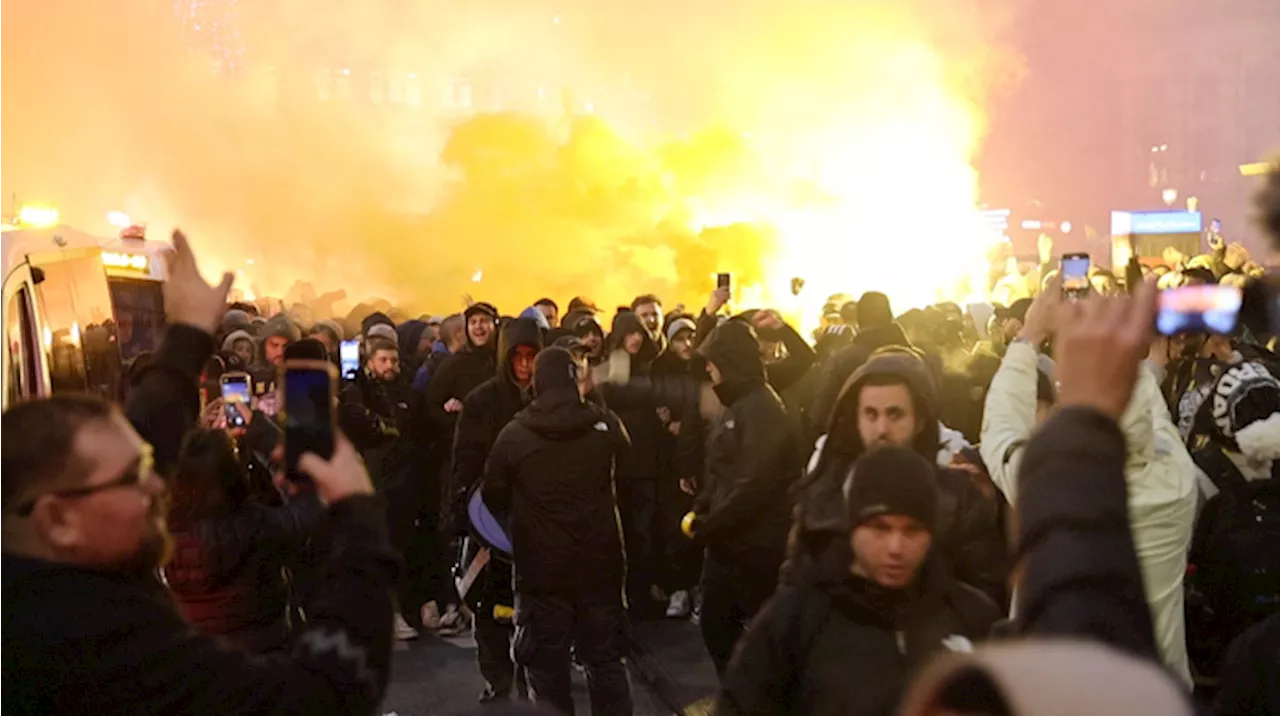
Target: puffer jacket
<point>226,571</point>
<point>1159,474</point>
<point>850,646</point>
<point>753,457</point>
<point>551,474</point>
<point>968,535</point>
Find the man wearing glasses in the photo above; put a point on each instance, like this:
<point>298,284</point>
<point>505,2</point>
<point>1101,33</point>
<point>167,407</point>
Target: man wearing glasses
<point>83,532</point>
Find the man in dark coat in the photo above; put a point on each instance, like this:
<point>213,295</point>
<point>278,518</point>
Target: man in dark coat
<point>892,401</point>
<point>744,508</point>
<point>851,643</point>
<point>463,371</point>
<point>550,475</point>
<point>485,411</point>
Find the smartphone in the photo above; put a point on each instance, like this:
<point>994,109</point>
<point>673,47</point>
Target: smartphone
<point>1075,275</point>
<point>723,280</point>
<point>1206,308</point>
<point>309,406</point>
<point>237,389</point>
<point>349,355</point>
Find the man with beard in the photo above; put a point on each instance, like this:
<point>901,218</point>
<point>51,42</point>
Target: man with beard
<point>485,411</point>
<point>274,336</point>
<point>892,401</point>
<point>376,411</point>
<point>550,476</point>
<point>744,507</point>
<point>83,536</point>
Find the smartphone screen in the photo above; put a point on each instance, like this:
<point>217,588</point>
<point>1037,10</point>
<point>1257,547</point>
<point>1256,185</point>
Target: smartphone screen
<point>1208,308</point>
<point>1075,275</point>
<point>237,389</point>
<point>349,355</point>
<point>723,280</point>
<point>309,413</point>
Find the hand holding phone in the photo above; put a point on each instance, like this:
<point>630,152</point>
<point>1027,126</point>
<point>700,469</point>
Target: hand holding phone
<point>1204,308</point>
<point>309,406</point>
<point>349,355</point>
<point>1075,275</point>
<point>237,389</point>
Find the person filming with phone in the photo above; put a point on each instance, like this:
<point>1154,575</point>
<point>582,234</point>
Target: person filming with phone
<point>84,533</point>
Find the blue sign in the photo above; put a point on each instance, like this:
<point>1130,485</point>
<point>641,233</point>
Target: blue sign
<point>1147,223</point>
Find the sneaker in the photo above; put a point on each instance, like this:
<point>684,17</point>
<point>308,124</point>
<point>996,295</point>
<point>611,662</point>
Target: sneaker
<point>430,614</point>
<point>678,607</point>
<point>453,623</point>
<point>403,631</point>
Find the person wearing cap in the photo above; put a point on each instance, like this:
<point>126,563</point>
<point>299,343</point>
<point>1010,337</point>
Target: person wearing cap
<point>550,476</point>
<point>850,643</point>
<point>464,369</point>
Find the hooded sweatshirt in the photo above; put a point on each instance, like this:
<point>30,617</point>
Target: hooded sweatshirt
<point>229,343</point>
<point>968,535</point>
<point>408,335</point>
<point>836,371</point>
<point>753,459</point>
<point>488,408</point>
<point>461,372</point>
<point>551,474</point>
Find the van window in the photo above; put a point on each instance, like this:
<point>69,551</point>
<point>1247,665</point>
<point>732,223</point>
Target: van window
<point>80,334</point>
<point>19,334</point>
<point>139,311</point>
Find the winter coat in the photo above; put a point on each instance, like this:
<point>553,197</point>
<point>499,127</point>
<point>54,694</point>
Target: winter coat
<point>485,411</point>
<point>456,376</point>
<point>383,420</point>
<point>968,536</point>
<point>849,647</point>
<point>430,366</point>
<point>1159,473</point>
<point>753,458</point>
<point>226,571</point>
<point>550,474</point>
<point>1250,677</point>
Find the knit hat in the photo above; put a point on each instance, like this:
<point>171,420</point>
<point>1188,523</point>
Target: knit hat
<point>1245,408</point>
<point>683,323</point>
<point>332,327</point>
<point>892,481</point>
<point>480,308</point>
<point>554,370</point>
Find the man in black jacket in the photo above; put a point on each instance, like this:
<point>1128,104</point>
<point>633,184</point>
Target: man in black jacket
<point>892,401</point>
<point>486,410</point>
<point>744,507</point>
<point>551,475</point>
<point>850,644</point>
<point>462,372</point>
<point>876,329</point>
<point>81,524</point>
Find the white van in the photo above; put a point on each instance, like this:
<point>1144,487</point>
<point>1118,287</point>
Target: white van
<point>76,308</point>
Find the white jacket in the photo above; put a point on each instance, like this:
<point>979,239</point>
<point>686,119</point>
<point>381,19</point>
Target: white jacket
<point>1158,469</point>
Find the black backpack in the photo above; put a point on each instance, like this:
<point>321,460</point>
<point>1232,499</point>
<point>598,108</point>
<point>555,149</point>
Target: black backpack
<point>1233,569</point>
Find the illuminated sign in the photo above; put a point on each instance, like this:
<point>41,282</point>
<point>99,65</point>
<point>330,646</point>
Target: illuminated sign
<point>128,262</point>
<point>1147,223</point>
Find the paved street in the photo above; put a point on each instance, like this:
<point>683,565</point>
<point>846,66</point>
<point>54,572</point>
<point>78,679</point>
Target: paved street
<point>438,676</point>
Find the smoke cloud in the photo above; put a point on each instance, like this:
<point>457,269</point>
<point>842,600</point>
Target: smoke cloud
<point>605,151</point>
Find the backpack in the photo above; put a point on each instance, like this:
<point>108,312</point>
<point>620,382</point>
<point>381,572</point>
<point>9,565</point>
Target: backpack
<point>1233,568</point>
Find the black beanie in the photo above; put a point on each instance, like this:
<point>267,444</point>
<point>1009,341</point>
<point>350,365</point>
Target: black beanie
<point>892,481</point>
<point>480,308</point>
<point>554,370</point>
<point>374,319</point>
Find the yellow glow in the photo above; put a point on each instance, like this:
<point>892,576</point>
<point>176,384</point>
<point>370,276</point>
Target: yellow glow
<point>38,216</point>
<point>75,333</point>
<point>1256,169</point>
<point>118,219</point>
<point>131,262</point>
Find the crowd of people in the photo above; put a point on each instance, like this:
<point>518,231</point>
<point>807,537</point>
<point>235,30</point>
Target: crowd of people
<point>988,510</point>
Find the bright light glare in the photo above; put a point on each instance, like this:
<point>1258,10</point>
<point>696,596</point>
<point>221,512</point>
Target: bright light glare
<point>38,216</point>
<point>1066,227</point>
<point>118,219</point>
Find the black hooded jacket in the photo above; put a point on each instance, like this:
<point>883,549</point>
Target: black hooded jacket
<point>849,646</point>
<point>753,456</point>
<point>638,409</point>
<point>458,375</point>
<point>968,536</point>
<point>487,409</point>
<point>550,474</point>
<point>837,370</point>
